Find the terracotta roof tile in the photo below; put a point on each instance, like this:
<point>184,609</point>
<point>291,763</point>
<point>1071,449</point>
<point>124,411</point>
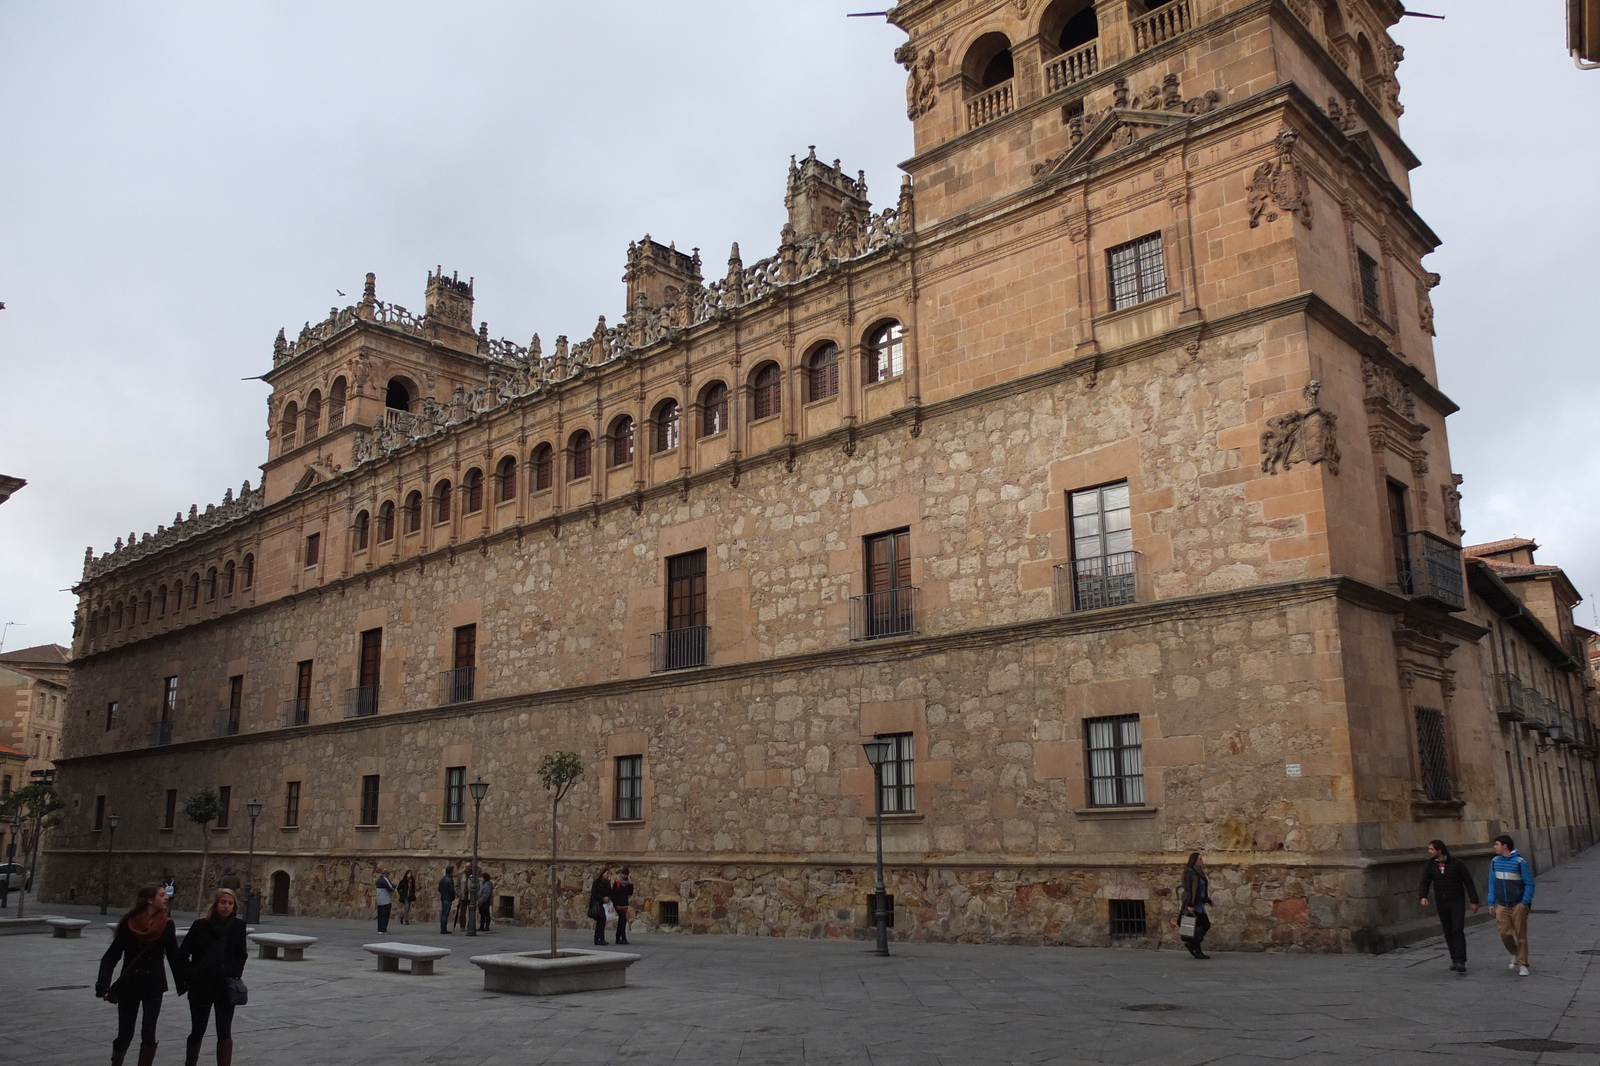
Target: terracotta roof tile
<point>1494,547</point>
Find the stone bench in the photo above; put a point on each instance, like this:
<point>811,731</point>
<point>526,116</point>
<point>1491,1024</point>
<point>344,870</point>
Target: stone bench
<point>67,928</point>
<point>24,925</point>
<point>292,946</point>
<point>422,958</point>
<point>534,973</point>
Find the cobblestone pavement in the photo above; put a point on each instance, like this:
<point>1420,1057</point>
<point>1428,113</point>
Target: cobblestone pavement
<point>721,1000</point>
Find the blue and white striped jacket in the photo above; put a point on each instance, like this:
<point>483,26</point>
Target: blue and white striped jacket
<point>1506,873</point>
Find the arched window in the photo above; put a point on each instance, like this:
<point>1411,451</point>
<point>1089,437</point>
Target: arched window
<point>248,578</point>
<point>1366,58</point>
<point>668,432</point>
<point>414,512</point>
<point>211,585</point>
<point>386,522</point>
<point>989,61</point>
<point>472,492</point>
<point>713,409</point>
<point>194,589</point>
<point>336,397</point>
<point>1070,24</point>
<point>161,602</point>
<point>621,441</point>
<point>886,352</point>
<point>505,479</point>
<point>441,501</point>
<point>397,397</point>
<point>1332,19</point>
<point>146,617</point>
<point>766,392</point>
<point>543,467</point>
<point>580,455</point>
<point>822,372</point>
<point>313,415</point>
<point>288,426</point>
<point>227,578</point>
<point>362,530</point>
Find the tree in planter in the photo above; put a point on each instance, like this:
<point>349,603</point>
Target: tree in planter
<point>557,773</point>
<point>38,803</point>
<point>202,809</point>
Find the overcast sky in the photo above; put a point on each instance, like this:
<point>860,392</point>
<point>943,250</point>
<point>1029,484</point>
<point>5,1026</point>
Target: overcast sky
<point>180,180</point>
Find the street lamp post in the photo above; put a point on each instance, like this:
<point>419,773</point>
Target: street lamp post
<point>252,902</point>
<point>877,752</point>
<point>111,847</point>
<point>479,788</point>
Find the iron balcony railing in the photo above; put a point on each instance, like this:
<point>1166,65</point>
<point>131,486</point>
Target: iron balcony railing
<point>361,701</point>
<point>162,733</point>
<point>679,649</point>
<point>890,613</point>
<point>227,722</point>
<point>456,686</point>
<point>1512,703</point>
<point>1431,570</point>
<point>297,711</point>
<point>1099,581</point>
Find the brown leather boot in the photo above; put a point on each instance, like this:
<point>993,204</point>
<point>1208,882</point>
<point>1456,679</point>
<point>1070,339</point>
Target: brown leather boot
<point>147,1054</point>
<point>224,1053</point>
<point>191,1051</point>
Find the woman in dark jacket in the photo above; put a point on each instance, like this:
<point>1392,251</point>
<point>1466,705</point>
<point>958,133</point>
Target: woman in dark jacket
<point>408,896</point>
<point>213,951</point>
<point>144,936</point>
<point>1196,898</point>
<point>1452,887</point>
<point>599,896</point>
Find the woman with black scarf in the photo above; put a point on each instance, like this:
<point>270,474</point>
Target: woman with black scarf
<point>214,950</point>
<point>143,936</point>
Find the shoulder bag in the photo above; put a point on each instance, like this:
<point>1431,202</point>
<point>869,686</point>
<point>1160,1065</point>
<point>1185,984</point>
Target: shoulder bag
<point>114,993</point>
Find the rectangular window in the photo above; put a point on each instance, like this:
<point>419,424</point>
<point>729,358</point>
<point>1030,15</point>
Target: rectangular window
<point>899,776</point>
<point>630,788</point>
<point>111,716</point>
<point>1138,272</point>
<point>684,643</point>
<point>1103,573</point>
<point>5,785</point>
<point>99,813</point>
<point>369,800</point>
<point>170,817</point>
<point>669,912</point>
<point>1398,527</point>
<point>1116,761</point>
<point>1431,746</point>
<point>313,549</point>
<point>459,681</point>
<point>455,794</point>
<point>1127,917</point>
<point>888,608</point>
<point>1369,284</point>
<point>224,805</point>
<point>291,804</point>
<point>169,699</point>
<point>300,708</point>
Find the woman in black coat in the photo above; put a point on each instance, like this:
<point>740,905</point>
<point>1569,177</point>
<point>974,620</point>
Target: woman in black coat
<point>1196,898</point>
<point>408,896</point>
<point>213,951</point>
<point>599,896</point>
<point>147,938</point>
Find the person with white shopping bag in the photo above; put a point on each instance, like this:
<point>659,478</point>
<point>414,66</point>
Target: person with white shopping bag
<point>600,907</point>
<point>1193,921</point>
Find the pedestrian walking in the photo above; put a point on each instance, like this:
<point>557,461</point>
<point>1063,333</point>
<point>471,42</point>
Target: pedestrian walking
<point>214,953</point>
<point>621,893</point>
<point>485,897</point>
<point>147,939</point>
<point>1452,887</point>
<point>384,895</point>
<point>1511,895</point>
<point>463,893</point>
<point>447,896</point>
<point>408,896</point>
<point>1196,898</point>
<point>599,896</point>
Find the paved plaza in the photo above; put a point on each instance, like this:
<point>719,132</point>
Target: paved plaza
<point>710,1000</point>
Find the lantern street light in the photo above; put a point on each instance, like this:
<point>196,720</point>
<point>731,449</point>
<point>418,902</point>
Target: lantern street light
<point>252,902</point>
<point>479,788</point>
<point>111,847</point>
<point>877,751</point>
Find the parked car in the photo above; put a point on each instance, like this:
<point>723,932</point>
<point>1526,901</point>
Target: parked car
<point>14,874</point>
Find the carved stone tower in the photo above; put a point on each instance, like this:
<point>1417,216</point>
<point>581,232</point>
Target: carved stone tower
<point>657,273</point>
<point>820,195</point>
<point>449,311</point>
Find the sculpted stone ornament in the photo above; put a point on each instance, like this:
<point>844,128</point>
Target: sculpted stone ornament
<point>922,91</point>
<point>1280,181</point>
<point>1452,504</point>
<point>1384,384</point>
<point>1309,436</point>
<point>1425,285</point>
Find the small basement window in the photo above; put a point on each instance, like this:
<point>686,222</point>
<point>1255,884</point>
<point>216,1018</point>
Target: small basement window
<point>669,912</point>
<point>1127,917</point>
<point>508,906</point>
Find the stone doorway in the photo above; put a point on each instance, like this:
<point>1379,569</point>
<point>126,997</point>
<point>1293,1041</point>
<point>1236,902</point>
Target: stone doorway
<point>280,892</point>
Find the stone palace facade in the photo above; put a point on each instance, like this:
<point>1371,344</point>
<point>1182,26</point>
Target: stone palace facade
<point>1104,471</point>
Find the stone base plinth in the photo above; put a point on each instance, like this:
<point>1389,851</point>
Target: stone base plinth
<point>534,973</point>
<point>10,926</point>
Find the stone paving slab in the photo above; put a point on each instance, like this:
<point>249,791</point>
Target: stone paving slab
<point>711,1001</point>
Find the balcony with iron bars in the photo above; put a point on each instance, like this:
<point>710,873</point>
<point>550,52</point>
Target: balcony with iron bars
<point>1096,582</point>
<point>679,649</point>
<point>161,734</point>
<point>889,613</point>
<point>1430,569</point>
<point>361,701</point>
<point>458,685</point>
<point>228,722</point>
<point>297,711</point>
<point>1511,698</point>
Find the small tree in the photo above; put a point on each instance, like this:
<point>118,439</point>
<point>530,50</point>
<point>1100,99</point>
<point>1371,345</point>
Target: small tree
<point>202,809</point>
<point>38,803</point>
<point>557,773</point>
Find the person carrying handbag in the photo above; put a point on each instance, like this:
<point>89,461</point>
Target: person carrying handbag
<point>214,953</point>
<point>599,898</point>
<point>147,938</point>
<point>1196,898</point>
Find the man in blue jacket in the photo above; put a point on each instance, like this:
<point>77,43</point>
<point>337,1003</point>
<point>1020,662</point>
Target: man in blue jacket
<point>1511,894</point>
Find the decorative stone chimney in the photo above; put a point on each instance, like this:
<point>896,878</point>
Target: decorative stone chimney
<point>819,195</point>
<point>449,311</point>
<point>658,273</point>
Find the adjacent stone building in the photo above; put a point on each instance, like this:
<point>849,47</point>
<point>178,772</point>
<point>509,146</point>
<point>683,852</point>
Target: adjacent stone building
<point>1104,472</point>
<point>33,695</point>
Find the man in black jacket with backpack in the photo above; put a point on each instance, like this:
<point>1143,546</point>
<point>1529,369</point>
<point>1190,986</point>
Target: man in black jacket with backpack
<point>1452,887</point>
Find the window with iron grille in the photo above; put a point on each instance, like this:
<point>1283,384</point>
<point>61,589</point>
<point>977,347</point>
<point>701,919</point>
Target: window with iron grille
<point>669,912</point>
<point>1138,272</point>
<point>313,549</point>
<point>1370,300</point>
<point>886,353</point>
<point>455,794</point>
<point>630,788</point>
<point>169,699</point>
<point>1116,761</point>
<point>822,373</point>
<point>224,805</point>
<point>766,396</point>
<point>1102,547</point>
<point>291,803</point>
<point>1127,917</point>
<point>889,606</point>
<point>111,716</point>
<point>170,814</point>
<point>543,467</point>
<point>235,701</point>
<point>714,409</point>
<point>899,775</point>
<point>369,800</point>
<point>580,446</point>
<point>1431,746</point>
<point>668,430</point>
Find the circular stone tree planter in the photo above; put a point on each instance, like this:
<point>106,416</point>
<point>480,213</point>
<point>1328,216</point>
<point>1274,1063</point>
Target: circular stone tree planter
<point>535,973</point>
